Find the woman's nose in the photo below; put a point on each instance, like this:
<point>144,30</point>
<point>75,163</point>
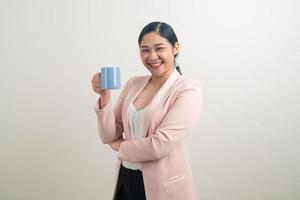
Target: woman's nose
<point>153,55</point>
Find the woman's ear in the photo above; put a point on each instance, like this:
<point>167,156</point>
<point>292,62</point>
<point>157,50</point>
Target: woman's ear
<point>176,48</point>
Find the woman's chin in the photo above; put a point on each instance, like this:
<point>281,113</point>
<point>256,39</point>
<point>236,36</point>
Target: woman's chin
<point>156,70</point>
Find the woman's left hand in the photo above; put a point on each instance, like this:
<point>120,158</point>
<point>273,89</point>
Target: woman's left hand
<point>115,145</point>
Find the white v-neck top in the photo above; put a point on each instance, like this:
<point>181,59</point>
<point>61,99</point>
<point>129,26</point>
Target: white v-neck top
<point>136,125</point>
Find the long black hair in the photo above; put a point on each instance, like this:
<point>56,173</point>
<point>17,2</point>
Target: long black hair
<point>165,31</point>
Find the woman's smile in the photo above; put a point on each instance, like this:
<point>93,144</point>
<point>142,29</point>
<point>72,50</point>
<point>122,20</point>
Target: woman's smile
<point>155,64</point>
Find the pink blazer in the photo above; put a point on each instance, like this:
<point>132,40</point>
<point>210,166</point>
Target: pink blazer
<point>167,122</point>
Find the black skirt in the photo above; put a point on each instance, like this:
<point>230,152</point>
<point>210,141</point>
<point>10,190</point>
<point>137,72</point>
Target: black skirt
<point>130,185</point>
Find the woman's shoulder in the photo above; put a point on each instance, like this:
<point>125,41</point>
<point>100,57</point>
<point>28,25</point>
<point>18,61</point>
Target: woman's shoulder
<point>186,87</point>
<point>136,80</point>
<point>184,83</point>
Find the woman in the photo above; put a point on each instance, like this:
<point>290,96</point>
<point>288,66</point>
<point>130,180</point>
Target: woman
<point>149,124</point>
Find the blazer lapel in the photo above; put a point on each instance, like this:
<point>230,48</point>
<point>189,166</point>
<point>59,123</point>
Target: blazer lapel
<point>160,97</point>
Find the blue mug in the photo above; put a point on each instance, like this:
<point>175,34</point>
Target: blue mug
<point>110,78</point>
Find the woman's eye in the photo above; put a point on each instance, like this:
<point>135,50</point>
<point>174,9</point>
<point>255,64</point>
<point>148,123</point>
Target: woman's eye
<point>144,50</point>
<point>160,49</point>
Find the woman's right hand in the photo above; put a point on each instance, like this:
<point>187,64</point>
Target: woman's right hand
<point>115,145</point>
<point>96,80</point>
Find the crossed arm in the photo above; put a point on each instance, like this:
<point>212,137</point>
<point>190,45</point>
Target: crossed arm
<point>172,130</point>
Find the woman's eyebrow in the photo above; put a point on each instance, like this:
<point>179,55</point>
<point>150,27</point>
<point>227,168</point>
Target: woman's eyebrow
<point>158,44</point>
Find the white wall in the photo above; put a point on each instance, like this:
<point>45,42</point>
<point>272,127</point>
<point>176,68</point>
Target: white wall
<point>245,53</point>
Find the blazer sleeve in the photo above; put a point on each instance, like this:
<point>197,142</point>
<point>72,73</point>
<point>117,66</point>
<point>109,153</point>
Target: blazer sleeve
<point>173,129</point>
<point>109,118</point>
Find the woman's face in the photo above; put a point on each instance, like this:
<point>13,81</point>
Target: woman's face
<point>157,54</point>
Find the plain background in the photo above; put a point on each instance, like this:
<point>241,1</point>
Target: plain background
<point>245,145</point>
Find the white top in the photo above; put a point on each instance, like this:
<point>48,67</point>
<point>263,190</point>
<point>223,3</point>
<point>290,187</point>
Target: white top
<point>136,126</point>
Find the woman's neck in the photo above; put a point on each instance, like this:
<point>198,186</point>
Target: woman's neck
<point>159,80</point>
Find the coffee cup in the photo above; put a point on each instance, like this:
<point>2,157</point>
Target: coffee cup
<point>110,78</point>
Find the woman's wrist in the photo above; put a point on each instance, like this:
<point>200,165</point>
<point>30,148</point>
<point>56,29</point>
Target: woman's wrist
<point>104,99</point>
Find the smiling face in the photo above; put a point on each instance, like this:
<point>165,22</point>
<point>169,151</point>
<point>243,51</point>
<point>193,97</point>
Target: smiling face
<point>157,54</point>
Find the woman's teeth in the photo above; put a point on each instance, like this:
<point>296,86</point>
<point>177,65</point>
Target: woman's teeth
<point>155,64</point>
